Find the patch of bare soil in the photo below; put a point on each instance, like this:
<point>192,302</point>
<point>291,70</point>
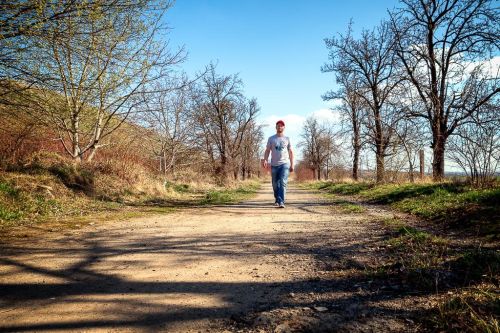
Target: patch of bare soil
<point>248,267</point>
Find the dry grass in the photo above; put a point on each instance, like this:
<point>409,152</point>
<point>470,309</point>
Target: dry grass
<point>473,309</point>
<point>49,186</point>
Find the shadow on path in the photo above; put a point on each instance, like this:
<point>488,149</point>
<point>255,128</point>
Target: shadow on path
<point>143,304</point>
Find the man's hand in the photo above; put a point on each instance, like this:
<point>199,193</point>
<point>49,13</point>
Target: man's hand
<point>265,165</point>
<point>291,168</point>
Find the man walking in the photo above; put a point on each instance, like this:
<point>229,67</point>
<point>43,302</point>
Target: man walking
<point>281,162</point>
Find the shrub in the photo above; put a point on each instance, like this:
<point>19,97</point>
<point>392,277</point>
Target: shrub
<point>74,177</point>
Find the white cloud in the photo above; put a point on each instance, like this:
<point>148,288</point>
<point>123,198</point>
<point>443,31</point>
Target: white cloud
<point>460,68</point>
<point>490,67</point>
<point>326,115</point>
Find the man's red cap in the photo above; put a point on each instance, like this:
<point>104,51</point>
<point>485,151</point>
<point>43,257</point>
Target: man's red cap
<point>280,122</point>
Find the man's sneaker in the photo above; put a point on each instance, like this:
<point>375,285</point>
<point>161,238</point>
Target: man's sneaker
<point>282,205</point>
<point>276,204</point>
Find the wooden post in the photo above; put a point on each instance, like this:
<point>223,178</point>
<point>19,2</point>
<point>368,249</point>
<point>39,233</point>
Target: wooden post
<point>421,155</point>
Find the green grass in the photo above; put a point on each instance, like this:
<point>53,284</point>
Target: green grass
<point>433,264</point>
<point>179,188</point>
<point>8,189</point>
<point>413,234</point>
<point>352,208</point>
<point>418,249</point>
<point>478,264</point>
<point>226,196</point>
<point>73,177</point>
<point>9,195</point>
<point>341,188</point>
<point>219,197</point>
<point>7,214</point>
<point>392,222</point>
<point>347,207</point>
<point>464,277</point>
<point>390,193</point>
<point>455,204</point>
<point>419,252</point>
<point>23,203</point>
<point>67,194</point>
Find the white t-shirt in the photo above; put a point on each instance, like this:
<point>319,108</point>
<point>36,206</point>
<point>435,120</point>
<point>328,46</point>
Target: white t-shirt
<point>279,146</point>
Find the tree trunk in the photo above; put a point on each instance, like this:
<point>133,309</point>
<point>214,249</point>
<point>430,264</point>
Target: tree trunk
<point>379,141</point>
<point>412,176</point>
<point>357,147</point>
<point>438,158</point>
<point>91,156</point>
<point>76,151</point>
<point>77,159</point>
<point>380,165</point>
<point>164,159</point>
<point>77,154</point>
<point>355,163</point>
<point>223,166</point>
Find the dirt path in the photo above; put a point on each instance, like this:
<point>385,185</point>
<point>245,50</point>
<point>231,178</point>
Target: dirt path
<point>248,267</point>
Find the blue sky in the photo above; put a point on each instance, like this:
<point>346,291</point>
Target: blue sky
<point>276,47</point>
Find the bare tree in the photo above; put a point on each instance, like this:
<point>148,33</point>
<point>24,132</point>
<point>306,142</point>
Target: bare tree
<point>223,117</point>
<point>475,147</point>
<point>412,141</point>
<point>19,134</point>
<point>167,112</point>
<point>101,65</point>
<point>351,108</point>
<point>34,18</point>
<point>251,150</point>
<point>318,144</point>
<point>412,135</point>
<point>443,45</point>
<point>372,61</point>
<point>245,124</point>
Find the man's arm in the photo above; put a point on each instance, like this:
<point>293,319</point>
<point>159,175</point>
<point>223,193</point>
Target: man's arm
<point>266,156</point>
<point>290,154</point>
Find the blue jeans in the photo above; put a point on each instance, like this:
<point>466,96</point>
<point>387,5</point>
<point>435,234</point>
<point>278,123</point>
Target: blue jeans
<point>279,175</point>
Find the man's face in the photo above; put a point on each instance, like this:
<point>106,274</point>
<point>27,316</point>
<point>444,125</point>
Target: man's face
<point>280,128</point>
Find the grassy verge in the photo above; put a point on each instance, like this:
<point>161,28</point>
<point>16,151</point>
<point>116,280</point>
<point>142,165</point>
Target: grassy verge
<point>242,192</point>
<point>460,279</point>
<point>454,204</point>
<point>27,199</point>
<point>339,188</point>
<point>47,197</point>
<point>346,207</point>
<point>474,309</point>
<point>464,279</point>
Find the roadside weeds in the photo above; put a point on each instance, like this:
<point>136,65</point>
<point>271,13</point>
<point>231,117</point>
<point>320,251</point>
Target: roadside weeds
<point>458,270</point>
